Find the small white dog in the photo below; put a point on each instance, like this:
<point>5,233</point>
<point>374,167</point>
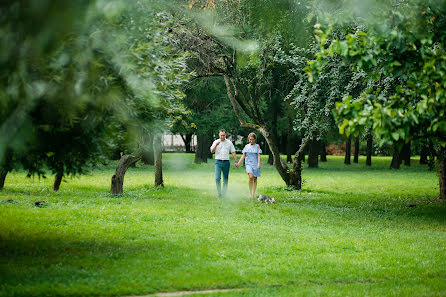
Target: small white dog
<point>265,198</point>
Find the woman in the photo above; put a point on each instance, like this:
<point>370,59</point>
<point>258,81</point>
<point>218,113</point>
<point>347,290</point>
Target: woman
<point>251,152</point>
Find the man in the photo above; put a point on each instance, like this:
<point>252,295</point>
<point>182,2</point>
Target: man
<point>222,148</point>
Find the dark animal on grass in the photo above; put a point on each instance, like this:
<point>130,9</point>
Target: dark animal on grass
<point>39,203</point>
<point>266,199</point>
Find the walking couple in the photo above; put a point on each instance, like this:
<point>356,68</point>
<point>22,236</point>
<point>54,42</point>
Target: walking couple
<point>222,148</point>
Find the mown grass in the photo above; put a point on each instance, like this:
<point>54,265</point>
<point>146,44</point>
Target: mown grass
<point>352,231</point>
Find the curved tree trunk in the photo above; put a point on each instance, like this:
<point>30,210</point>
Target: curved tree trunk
<point>290,178</point>
<point>313,153</point>
<point>57,180</point>
<point>368,161</point>
<point>117,180</point>
<point>356,155</point>
<point>296,172</point>
<point>3,174</point>
<point>158,148</point>
<point>348,150</point>
<point>279,163</point>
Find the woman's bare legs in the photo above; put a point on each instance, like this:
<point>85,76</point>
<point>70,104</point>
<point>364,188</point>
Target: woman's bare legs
<point>254,186</point>
<point>251,183</point>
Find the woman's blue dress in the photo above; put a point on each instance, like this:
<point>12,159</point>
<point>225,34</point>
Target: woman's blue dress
<point>251,161</point>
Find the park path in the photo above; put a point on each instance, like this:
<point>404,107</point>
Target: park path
<point>184,293</point>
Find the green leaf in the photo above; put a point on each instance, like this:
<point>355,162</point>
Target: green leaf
<point>395,135</point>
<point>343,47</point>
<point>442,126</point>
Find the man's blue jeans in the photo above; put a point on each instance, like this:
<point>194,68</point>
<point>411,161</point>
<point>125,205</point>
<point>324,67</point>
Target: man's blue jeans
<point>222,165</point>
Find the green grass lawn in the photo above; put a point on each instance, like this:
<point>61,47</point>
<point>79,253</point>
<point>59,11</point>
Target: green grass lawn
<point>349,232</point>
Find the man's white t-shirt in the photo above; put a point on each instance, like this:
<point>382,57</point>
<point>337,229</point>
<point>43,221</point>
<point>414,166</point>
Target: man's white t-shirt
<point>223,149</point>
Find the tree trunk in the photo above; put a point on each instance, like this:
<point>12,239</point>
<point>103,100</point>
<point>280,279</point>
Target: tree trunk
<point>407,153</point>
<point>423,153</point>
<point>187,139</point>
<point>304,152</point>
<point>158,148</point>
<point>289,156</point>
<point>5,167</point>
<point>200,140</point>
<point>356,155</point>
<point>396,161</point>
<point>206,150</point>
<point>368,161</point>
<point>442,174</point>
<point>348,150</point>
<point>278,162</point>
<point>57,180</point>
<point>147,153</point>
<point>3,174</point>
<point>289,142</point>
<point>323,152</point>
<point>313,153</point>
<point>270,158</point>
<point>117,180</point>
<point>203,153</point>
<point>280,165</point>
<point>296,172</point>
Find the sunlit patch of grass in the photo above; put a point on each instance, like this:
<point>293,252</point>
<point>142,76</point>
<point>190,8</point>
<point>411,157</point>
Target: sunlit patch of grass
<point>351,230</point>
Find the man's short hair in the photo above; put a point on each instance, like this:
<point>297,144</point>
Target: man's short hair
<point>222,130</point>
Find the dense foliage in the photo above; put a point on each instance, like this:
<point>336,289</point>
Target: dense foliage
<point>406,47</point>
<point>76,86</point>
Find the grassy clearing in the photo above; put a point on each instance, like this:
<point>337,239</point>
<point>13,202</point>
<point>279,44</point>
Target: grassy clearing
<point>348,232</point>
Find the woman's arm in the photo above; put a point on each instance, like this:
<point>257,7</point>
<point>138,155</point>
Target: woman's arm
<point>258,161</point>
<point>241,159</point>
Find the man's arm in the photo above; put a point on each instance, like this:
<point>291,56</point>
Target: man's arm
<point>233,152</point>
<point>214,145</point>
<point>235,156</point>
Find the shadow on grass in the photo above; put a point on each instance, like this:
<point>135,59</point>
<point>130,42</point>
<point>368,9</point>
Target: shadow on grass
<point>364,207</point>
<point>53,265</point>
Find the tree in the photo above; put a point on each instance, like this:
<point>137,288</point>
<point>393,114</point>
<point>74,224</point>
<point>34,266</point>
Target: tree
<point>206,100</point>
<point>315,100</point>
<point>55,79</point>
<point>251,73</point>
<point>408,44</point>
<point>164,67</point>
